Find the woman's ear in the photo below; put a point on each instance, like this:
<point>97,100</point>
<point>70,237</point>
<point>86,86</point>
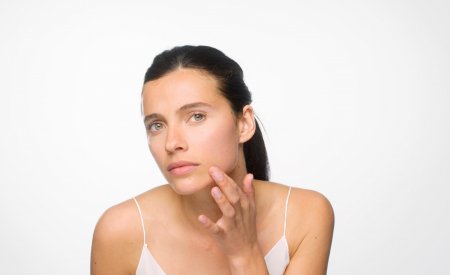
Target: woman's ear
<point>247,124</point>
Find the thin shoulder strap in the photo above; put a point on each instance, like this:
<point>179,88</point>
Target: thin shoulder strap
<point>142,220</point>
<point>285,210</point>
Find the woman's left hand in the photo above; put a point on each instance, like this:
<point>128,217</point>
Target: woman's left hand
<point>235,231</point>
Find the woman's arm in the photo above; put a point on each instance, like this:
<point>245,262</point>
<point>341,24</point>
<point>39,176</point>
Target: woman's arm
<point>113,249</point>
<point>313,214</point>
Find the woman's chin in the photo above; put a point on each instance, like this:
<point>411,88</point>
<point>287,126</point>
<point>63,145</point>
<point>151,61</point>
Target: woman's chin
<point>189,186</point>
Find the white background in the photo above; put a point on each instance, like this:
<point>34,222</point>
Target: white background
<point>354,97</point>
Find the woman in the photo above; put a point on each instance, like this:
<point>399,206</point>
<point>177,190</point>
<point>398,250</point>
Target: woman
<point>218,214</point>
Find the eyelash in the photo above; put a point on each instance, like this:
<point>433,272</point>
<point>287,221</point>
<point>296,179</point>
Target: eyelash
<point>160,124</point>
<point>197,114</point>
<point>150,126</point>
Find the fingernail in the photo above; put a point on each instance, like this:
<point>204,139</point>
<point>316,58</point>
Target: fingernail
<point>217,175</point>
<point>216,193</point>
<point>202,219</point>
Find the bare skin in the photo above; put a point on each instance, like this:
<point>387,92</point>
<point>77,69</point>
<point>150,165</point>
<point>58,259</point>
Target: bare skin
<point>212,218</point>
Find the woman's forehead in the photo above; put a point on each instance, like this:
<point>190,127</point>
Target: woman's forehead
<point>178,88</point>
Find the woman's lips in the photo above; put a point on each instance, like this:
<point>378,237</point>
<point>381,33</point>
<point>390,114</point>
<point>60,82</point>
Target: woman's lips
<point>180,168</point>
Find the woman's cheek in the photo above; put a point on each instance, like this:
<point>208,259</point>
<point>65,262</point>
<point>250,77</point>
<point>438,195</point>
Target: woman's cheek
<point>221,148</point>
<point>156,149</point>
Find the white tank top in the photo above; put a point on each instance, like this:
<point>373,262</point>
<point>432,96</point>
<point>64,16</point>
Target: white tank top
<point>277,259</point>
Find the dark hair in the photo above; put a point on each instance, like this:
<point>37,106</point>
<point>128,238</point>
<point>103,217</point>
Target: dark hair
<point>231,84</point>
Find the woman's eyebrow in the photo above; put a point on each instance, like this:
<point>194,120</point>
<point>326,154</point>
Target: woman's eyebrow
<point>181,109</point>
<point>151,117</point>
<point>193,105</point>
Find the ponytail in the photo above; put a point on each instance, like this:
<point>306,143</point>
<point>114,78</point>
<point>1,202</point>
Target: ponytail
<point>256,159</point>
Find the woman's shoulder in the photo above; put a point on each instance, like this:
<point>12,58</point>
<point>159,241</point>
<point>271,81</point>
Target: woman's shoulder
<point>124,218</point>
<point>308,211</point>
<point>119,223</point>
<point>118,235</point>
<point>115,242</point>
<point>115,221</point>
<point>307,201</point>
<point>310,202</point>
<point>311,223</point>
<point>305,207</point>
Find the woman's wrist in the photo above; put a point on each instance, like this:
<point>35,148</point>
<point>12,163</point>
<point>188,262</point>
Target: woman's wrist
<point>249,262</point>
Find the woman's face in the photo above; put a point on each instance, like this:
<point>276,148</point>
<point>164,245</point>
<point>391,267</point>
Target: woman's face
<point>190,127</point>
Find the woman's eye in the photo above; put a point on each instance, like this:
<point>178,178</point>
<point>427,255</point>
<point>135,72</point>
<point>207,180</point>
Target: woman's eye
<point>154,127</point>
<point>198,117</point>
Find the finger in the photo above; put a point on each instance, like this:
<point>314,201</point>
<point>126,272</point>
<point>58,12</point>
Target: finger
<point>244,200</point>
<point>248,188</point>
<point>248,213</point>
<point>232,192</point>
<point>227,209</point>
<point>226,184</point>
<point>212,227</point>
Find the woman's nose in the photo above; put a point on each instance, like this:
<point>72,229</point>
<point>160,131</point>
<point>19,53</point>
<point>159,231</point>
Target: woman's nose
<point>175,140</point>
